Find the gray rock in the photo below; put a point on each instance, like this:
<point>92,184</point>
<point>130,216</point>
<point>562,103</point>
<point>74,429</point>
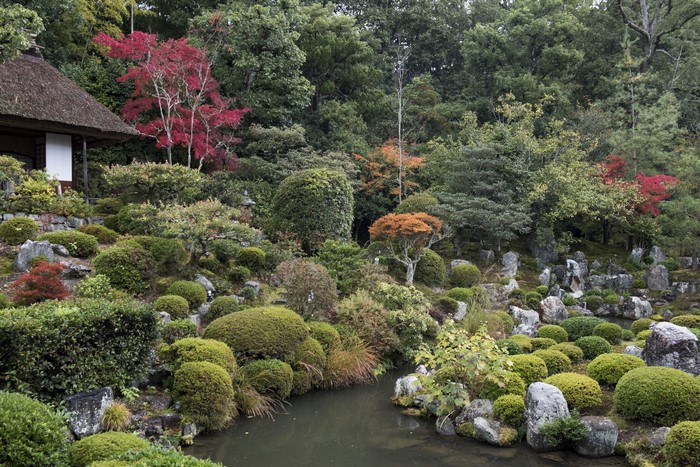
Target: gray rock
<point>672,346</point>
<point>461,312</point>
<point>171,422</point>
<point>684,287</point>
<point>607,310</point>
<point>556,291</point>
<point>559,273</point>
<point>657,254</point>
<point>545,277</point>
<point>508,288</point>
<point>85,411</point>
<point>204,282</point>
<point>164,317</point>
<point>657,277</point>
<point>574,279</point>
<point>196,319</point>
<point>510,264</point>
<point>595,265</point>
<point>529,319</point>
<point>545,404</point>
<point>617,282</point>
<point>637,308</point>
<point>636,256</point>
<point>60,250</point>
<point>75,222</point>
<point>477,408</point>
<point>31,249</point>
<point>634,351</point>
<point>203,309</point>
<point>407,385</point>
<point>444,426</point>
<point>190,429</point>
<point>553,310</point>
<point>253,285</point>
<point>486,256</point>
<point>685,262</point>
<point>487,431</point>
<point>153,427</point>
<point>658,436</point>
<point>601,438</point>
<point>615,269</point>
<point>422,370</point>
<point>458,262</point>
<point>74,271</point>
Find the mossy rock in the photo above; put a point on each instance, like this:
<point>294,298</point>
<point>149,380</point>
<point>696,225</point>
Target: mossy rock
<point>610,367</point>
<point>580,391</point>
<point>552,331</point>
<point>593,346</point>
<point>200,350</point>
<point>103,446</point>
<point>270,377</point>
<point>556,361</point>
<point>205,391</point>
<point>530,368</point>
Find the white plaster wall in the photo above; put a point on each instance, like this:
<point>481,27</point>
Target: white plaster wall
<point>59,156</point>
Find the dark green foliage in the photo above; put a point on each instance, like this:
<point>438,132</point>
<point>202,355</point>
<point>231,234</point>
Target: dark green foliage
<point>671,264</point>
<point>530,368</point>
<point>54,349</point>
<point>511,346</point>
<point>18,230</point>
<point>224,250</point>
<point>610,367</point>
<point>580,391</point>
<point>78,244</point>
<point>238,274</point>
<point>611,299</point>
<point>155,456</point>
<point>593,346</point>
<point>270,376</point>
<point>461,294</point>
<point>325,334</point>
<point>431,270</point>
<point>627,335</point>
<point>103,446</point>
<point>446,305</point>
<point>500,383</point>
<point>108,206</point>
<point>593,302</point>
<point>564,431</point>
<point>417,202</point>
<point>659,395</point>
<point>533,299</point>
<point>569,349</point>
<point>127,268</point>
<point>177,329</point>
<point>260,332</point>
<point>345,262</point>
<point>304,279</point>
<point>100,232</point>
<point>510,408</point>
<point>556,361</point>
<point>169,253</point>
<point>251,257</point>
<point>689,321</point>
<point>465,275</point>
<point>136,219</point>
<point>308,362</point>
<point>222,306</point>
<point>174,305</point>
<point>553,331</point>
<point>193,349</point>
<point>542,290</point>
<point>507,320</point>
<point>580,326</point>
<point>611,332</point>
<point>210,263</point>
<point>194,293</point>
<point>206,393</point>
<point>32,433</point>
<point>541,343</point>
<point>681,446</point>
<point>315,205</point>
<point>640,325</point>
<point>148,182</point>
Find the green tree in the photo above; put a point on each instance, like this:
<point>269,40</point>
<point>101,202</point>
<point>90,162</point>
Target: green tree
<point>17,24</point>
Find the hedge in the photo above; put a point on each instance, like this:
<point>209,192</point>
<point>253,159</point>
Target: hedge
<point>104,446</point>
<point>128,268</point>
<point>155,456</point>
<point>77,243</point>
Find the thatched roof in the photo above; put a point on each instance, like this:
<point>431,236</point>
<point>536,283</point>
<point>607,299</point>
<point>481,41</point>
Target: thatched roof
<point>35,95</point>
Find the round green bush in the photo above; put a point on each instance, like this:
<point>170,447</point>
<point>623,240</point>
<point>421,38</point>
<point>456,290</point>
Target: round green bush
<point>610,367</point>
<point>682,443</point>
<point>430,270</point>
<point>500,383</point>
<point>308,362</point>
<point>611,299</point>
<point>510,409</point>
<point>417,202</point>
<point>542,290</point>
<point>465,275</point>
<point>206,393</point>
<point>194,293</point>
<point>127,268</point>
<point>642,335</point>
<point>569,349</point>
<point>270,376</point>
<point>511,346</point>
<point>523,341</point>
<point>155,456</point>
<point>251,257</point>
<point>556,361</point>
<point>689,321</point>
<point>238,274</point>
<point>627,335</point>
<point>580,391</point>
<point>325,334</point>
<point>611,332</point>
<point>194,349</point>
<point>533,299</point>
<point>175,305</point>
<point>552,331</point>
<point>541,343</point>
<point>31,433</point>
<point>177,329</point>
<point>103,446</point>
<point>461,294</point>
<point>507,319</point>
<point>77,243</point>
<point>569,300</point>
<point>446,305</point>
<point>530,368</point>
<point>593,346</point>
<point>169,253</point>
<point>659,395</point>
<point>18,230</point>
<point>100,232</point>
<point>209,263</point>
<point>639,284</point>
<point>260,332</point>
<point>517,294</point>
<point>580,326</point>
<point>222,306</point>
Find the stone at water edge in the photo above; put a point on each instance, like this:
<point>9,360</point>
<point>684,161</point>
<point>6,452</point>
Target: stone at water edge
<point>406,386</point>
<point>510,264</point>
<point>656,277</point>
<point>476,408</point>
<point>636,308</point>
<point>545,403</point>
<point>444,426</point>
<point>86,410</point>
<point>672,346</point>
<point>553,310</point>
<point>488,431</point>
<point>601,437</point>
<point>658,436</point>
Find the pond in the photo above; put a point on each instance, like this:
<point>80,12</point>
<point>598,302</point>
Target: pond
<point>359,426</point>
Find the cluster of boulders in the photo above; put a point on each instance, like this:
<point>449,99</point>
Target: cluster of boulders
<point>53,253</point>
<point>54,222</point>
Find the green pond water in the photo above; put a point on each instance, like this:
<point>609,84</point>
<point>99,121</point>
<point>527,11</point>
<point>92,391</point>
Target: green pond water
<point>360,427</point>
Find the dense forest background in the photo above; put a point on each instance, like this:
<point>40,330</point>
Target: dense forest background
<point>544,120</point>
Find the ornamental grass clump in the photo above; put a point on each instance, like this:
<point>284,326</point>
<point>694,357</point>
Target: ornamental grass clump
<point>580,391</point>
<point>116,417</point>
<point>308,362</point>
<point>353,362</point>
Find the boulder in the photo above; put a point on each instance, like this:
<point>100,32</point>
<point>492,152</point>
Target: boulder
<point>637,308</point>
<point>203,309</point>
<point>407,386</point>
<point>601,437</point>
<point>559,273</point>
<point>196,319</point>
<point>616,282</point>
<point>253,285</point>
<point>544,404</point>
<point>85,411</point>
<point>657,254</point>
<point>510,264</point>
<point>636,256</point>
<point>477,408</point>
<point>545,277</point>
<point>529,319</point>
<point>204,282</point>
<point>634,351</point>
<point>615,269</point>
<point>656,277</point>
<point>595,265</point>
<point>488,431</point>
<point>556,291</point>
<point>444,426</point>
<point>672,346</point>
<point>553,310</point>
<point>74,271</point>
<point>679,288</point>
<point>580,258</point>
<point>164,317</point>
<point>508,288</point>
<point>461,312</point>
<point>685,262</point>
<point>31,249</point>
<point>658,437</point>
<point>486,256</point>
<point>574,277</point>
<point>60,250</point>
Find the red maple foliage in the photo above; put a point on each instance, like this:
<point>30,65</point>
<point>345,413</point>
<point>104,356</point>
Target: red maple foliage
<point>176,99</point>
<point>42,282</point>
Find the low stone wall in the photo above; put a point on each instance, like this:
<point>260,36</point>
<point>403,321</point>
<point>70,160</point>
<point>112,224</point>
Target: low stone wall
<point>54,222</point>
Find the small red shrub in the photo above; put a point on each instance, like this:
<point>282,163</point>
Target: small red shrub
<point>42,282</point>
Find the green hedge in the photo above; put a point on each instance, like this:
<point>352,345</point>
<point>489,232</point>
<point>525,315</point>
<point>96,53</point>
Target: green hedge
<point>55,349</point>
<point>465,275</point>
<point>155,456</point>
<point>104,446</point>
<point>557,362</point>
<point>569,349</point>
<point>611,332</point>
<point>194,293</point>
<point>500,383</point>
<point>100,232</point>
<point>177,329</point>
<point>175,305</point>
<point>580,326</point>
<point>510,408</point>
<point>77,243</point>
<point>18,230</point>
<point>430,270</point>
<point>128,268</point>
<point>552,331</point>
<point>530,368</point>
<point>193,349</point>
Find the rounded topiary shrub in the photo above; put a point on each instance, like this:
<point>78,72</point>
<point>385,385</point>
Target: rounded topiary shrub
<point>682,443</point>
<point>461,294</point>
<point>194,293</point>
<point>593,346</point>
<point>557,362</point>
<point>593,302</point>
<point>308,362</point>
<point>627,335</point>
<point>465,275</point>
<point>177,329</point>
<point>523,341</point>
<point>610,367</point>
<point>659,395</point>
<point>611,332</point>
<point>446,305</point>
<point>168,253</point>
<point>507,320</point>
<point>510,409</point>
<point>533,299</point>
<point>511,346</point>
<point>270,376</point>
<point>500,383</point>
<point>206,393</point>
<point>580,391</point>
<point>174,305</point>
<point>260,332</point>
<point>18,230</point>
<point>640,325</point>
<point>238,274</point>
<point>31,433</point>
<point>689,321</point>
<point>251,257</point>
<point>580,326</point>
<point>552,331</point>
<point>325,334</point>
<point>530,368</point>
<point>569,349</point>
<point>155,456</point>
<point>100,232</point>
<point>222,306</point>
<point>541,343</point>
<point>127,268</point>
<point>430,270</point>
<point>199,350</point>
<point>77,243</point>
<point>104,446</point>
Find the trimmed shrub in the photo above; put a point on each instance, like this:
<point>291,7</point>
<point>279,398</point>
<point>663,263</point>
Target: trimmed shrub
<point>580,391</point>
<point>659,395</point>
<point>96,286</point>
<point>270,376</point>
<point>417,202</point>
<point>511,346</point>
<point>77,243</point>
<point>542,290</point>
<point>206,393</point>
<point>611,299</point>
<point>580,326</point>
<point>609,368</point>
<point>461,294</point>
<point>308,362</point>
<point>611,332</point>
<point>507,320</point>
<point>627,335</point>
<point>127,268</point>
<point>18,230</point>
<point>593,302</point>
<point>100,232</point>
<point>32,433</point>
<point>177,329</point>
<point>689,321</point>
<point>510,409</point>
<point>103,446</point>
<point>304,279</point>
<point>46,346</point>
<point>155,456</point>
<point>500,383</point>
<point>446,305</point>
<point>552,331</point>
<point>465,275</point>
<point>325,334</point>
<point>260,332</point>
<point>541,343</point>
<point>238,274</point>
<point>642,336</point>
<point>174,305</point>
<point>682,442</point>
<point>199,350</point>
<point>593,346</point>
<point>557,362</point>
<point>222,306</point>
<point>430,270</point>
<point>533,299</point>
<point>569,349</point>
<point>194,293</point>
<point>569,300</point>
<point>530,368</point>
<point>168,253</point>
<point>523,341</point>
<point>251,257</point>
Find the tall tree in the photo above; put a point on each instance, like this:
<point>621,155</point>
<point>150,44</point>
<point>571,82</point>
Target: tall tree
<point>17,25</point>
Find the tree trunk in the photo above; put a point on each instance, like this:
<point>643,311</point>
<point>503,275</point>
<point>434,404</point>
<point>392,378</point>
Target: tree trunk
<point>410,272</point>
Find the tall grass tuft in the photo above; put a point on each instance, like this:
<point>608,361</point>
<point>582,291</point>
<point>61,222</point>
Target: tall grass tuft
<point>116,417</point>
<point>353,363</point>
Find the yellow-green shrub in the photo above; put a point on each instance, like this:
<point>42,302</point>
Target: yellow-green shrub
<point>77,243</point>
<point>175,305</point>
<point>510,408</point>
<point>100,232</point>
<point>610,367</point>
<point>18,230</point>
<point>194,293</point>
<point>500,383</point>
<point>103,446</point>
<point>557,362</point>
<point>270,376</point>
<point>206,393</point>
<point>580,391</point>
<point>552,331</point>
<point>569,349</point>
<point>593,346</point>
<point>682,443</point>
<point>530,368</point>
<point>193,349</point>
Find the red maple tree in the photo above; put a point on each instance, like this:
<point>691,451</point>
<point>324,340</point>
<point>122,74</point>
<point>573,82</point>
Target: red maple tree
<point>176,99</point>
<point>42,282</point>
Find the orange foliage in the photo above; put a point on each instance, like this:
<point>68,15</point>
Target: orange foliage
<point>417,228</point>
<point>380,169</point>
